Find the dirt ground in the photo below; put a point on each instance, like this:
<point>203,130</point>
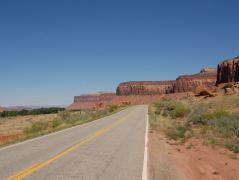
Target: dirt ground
<point>192,160</point>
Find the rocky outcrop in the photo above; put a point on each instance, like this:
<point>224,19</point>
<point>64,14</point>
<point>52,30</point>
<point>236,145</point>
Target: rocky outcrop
<point>95,97</point>
<point>187,83</point>
<point>146,92</point>
<point>92,100</point>
<point>228,71</point>
<point>145,88</point>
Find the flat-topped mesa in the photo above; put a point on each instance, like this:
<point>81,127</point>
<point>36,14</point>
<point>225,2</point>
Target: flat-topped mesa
<point>228,71</point>
<point>95,97</point>
<point>187,83</point>
<point>145,88</point>
<point>92,100</point>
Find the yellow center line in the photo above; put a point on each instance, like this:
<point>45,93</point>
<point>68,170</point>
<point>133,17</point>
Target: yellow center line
<point>27,171</point>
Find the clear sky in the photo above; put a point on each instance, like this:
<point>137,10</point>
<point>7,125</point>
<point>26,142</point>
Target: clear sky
<point>51,50</point>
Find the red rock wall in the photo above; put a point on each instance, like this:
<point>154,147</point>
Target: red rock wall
<point>144,88</point>
<point>191,82</point>
<point>95,97</point>
<point>117,100</point>
<point>145,92</point>
<point>228,71</point>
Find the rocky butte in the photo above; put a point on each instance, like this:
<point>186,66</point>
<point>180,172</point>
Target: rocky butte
<point>145,92</point>
<point>228,71</point>
<point>93,100</point>
<point>186,83</point>
<point>143,88</point>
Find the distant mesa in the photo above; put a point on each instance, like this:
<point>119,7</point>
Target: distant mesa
<point>208,70</point>
<point>185,83</point>
<point>143,88</point>
<point>144,92</point>
<point>228,71</point>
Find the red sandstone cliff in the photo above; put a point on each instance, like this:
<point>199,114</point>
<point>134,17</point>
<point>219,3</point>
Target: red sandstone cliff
<point>228,71</point>
<point>145,92</point>
<point>93,100</point>
<point>187,83</point>
<point>145,88</point>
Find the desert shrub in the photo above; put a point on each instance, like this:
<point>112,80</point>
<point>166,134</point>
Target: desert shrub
<point>113,108</point>
<point>64,115</point>
<point>50,110</point>
<point>228,85</point>
<point>177,132</point>
<point>36,127</point>
<point>104,112</point>
<point>56,123</point>
<point>197,114</point>
<point>232,147</point>
<point>174,109</point>
<point>224,122</point>
<point>25,112</point>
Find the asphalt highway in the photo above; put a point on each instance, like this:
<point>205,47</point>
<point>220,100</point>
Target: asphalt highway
<point>111,148</point>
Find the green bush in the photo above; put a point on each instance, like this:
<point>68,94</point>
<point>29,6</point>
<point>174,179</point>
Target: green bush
<point>221,120</point>
<point>232,147</point>
<point>171,108</point>
<point>24,112</point>
<point>56,123</point>
<point>37,127</point>
<point>64,115</point>
<point>113,108</point>
<point>228,85</point>
<point>177,132</point>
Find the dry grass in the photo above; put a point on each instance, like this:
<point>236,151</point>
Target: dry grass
<point>19,128</point>
<point>15,125</point>
<point>216,120</point>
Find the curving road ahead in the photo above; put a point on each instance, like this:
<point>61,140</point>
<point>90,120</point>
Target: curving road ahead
<point>111,148</point>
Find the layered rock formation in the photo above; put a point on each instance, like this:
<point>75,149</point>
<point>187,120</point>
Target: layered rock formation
<point>145,92</point>
<point>187,83</point>
<point>144,88</point>
<point>228,71</point>
<point>95,97</point>
<point>95,100</point>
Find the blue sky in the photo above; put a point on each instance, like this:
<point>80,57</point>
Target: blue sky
<point>53,50</point>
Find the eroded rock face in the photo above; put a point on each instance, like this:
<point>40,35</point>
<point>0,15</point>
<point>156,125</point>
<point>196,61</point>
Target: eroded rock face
<point>228,71</point>
<point>144,88</point>
<point>93,100</point>
<point>146,92</point>
<point>187,83</point>
<point>96,97</point>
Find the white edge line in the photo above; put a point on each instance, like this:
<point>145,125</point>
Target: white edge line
<point>145,164</point>
<point>57,132</point>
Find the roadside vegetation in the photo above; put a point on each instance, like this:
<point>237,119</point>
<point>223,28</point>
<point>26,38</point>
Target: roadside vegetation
<point>25,112</point>
<point>215,120</point>
<point>18,128</point>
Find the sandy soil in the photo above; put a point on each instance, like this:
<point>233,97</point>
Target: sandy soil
<point>191,161</point>
<point>162,165</point>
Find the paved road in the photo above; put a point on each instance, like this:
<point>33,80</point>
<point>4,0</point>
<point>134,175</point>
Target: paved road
<point>111,148</point>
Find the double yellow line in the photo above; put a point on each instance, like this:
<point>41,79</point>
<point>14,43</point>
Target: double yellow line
<point>20,175</point>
